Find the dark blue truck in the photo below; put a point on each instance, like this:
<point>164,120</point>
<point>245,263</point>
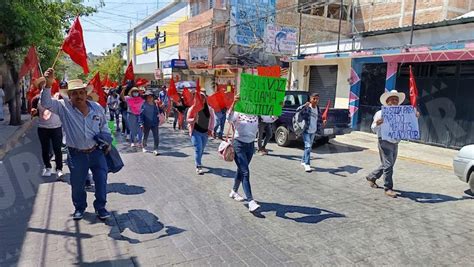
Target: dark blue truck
<point>338,120</point>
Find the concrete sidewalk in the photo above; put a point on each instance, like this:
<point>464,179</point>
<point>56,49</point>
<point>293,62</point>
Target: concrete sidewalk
<point>9,135</point>
<point>421,153</point>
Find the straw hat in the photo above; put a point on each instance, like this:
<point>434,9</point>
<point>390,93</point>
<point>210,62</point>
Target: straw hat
<point>77,84</point>
<point>387,95</point>
<point>134,89</point>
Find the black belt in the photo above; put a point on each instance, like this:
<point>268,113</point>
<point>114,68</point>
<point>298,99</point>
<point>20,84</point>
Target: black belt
<point>86,151</point>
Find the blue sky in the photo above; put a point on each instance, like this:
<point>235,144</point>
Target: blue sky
<point>110,24</point>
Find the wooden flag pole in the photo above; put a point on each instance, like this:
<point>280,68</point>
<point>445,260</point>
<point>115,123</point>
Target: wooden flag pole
<point>56,59</point>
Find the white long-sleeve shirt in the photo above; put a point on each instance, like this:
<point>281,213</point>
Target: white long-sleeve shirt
<point>378,128</point>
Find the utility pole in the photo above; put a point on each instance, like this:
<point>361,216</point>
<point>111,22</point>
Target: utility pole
<point>157,36</point>
<point>412,22</point>
<point>299,36</point>
<point>340,24</point>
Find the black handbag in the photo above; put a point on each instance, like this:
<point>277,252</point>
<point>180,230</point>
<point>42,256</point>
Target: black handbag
<point>114,161</point>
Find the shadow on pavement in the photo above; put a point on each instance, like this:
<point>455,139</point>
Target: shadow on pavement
<point>138,221</point>
<point>429,198</point>
<point>120,262</point>
<point>224,173</point>
<point>337,171</point>
<point>300,214</point>
<point>291,157</point>
<point>176,154</point>
<point>125,189</point>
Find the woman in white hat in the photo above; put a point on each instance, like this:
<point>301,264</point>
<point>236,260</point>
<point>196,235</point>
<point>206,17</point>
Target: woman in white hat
<point>388,149</point>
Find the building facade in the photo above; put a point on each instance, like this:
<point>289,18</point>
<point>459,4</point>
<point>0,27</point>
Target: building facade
<point>142,42</point>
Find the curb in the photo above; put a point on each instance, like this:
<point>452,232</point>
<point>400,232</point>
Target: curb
<point>13,140</point>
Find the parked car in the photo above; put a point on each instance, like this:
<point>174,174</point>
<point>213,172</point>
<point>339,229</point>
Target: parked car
<point>463,165</point>
<point>338,120</point>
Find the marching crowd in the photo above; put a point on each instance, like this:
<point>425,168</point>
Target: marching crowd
<point>73,120</point>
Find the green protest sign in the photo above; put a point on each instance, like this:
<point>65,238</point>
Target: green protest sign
<point>261,95</point>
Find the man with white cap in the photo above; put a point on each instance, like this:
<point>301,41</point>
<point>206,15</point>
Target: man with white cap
<point>388,149</point>
<point>83,121</point>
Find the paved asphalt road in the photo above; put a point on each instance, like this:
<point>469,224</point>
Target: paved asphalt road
<point>164,214</point>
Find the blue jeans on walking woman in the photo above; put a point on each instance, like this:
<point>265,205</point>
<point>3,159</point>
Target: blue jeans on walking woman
<point>199,141</point>
<point>79,164</point>
<point>308,139</point>
<point>134,127</point>
<point>243,156</point>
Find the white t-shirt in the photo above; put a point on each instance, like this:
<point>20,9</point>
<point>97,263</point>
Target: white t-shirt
<point>313,122</point>
<point>246,126</point>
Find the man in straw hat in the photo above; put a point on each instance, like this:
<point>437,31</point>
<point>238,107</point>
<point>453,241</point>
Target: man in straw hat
<point>83,121</point>
<point>388,149</point>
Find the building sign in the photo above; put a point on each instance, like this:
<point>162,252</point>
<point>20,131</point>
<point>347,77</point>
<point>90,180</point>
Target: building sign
<point>248,20</point>
<point>399,123</point>
<point>197,54</point>
<point>261,95</point>
<point>179,64</point>
<point>280,40</point>
<point>151,43</point>
<point>145,40</point>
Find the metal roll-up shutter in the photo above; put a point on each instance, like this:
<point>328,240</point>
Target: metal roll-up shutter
<point>323,80</point>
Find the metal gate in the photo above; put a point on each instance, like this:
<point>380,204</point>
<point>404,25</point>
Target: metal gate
<point>323,80</point>
<point>371,88</point>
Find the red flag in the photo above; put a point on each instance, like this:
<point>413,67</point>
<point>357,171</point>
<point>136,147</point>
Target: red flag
<point>97,88</point>
<point>217,101</point>
<point>129,75</point>
<point>413,89</point>
<point>198,101</point>
<point>187,97</point>
<point>74,46</point>
<point>141,82</point>
<point>114,84</point>
<point>273,71</point>
<point>105,81</point>
<point>172,92</point>
<point>325,113</point>
<point>30,63</point>
<point>55,87</point>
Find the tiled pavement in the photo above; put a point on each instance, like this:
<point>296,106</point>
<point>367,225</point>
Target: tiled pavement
<point>164,214</point>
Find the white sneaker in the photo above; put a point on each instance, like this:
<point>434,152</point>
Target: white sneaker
<point>253,206</point>
<point>236,196</point>
<point>144,150</point>
<point>302,164</point>
<point>155,152</point>
<point>132,145</point>
<point>46,172</point>
<point>307,168</point>
<point>59,175</point>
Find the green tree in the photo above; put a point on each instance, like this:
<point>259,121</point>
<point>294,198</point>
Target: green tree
<point>110,63</point>
<point>26,22</point>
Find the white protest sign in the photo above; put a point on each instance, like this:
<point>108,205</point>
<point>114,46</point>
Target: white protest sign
<point>399,123</point>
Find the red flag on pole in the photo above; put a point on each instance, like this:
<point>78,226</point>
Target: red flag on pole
<point>413,89</point>
<point>30,63</point>
<point>325,113</point>
<point>217,101</point>
<point>105,81</point>
<point>97,88</point>
<point>187,97</point>
<point>172,92</point>
<point>55,87</point>
<point>198,101</point>
<point>129,75</point>
<point>74,46</point>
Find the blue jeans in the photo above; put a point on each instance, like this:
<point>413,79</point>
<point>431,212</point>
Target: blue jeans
<point>220,123</point>
<point>125,128</point>
<point>199,141</point>
<point>79,163</point>
<point>134,128</point>
<point>308,139</point>
<point>243,156</point>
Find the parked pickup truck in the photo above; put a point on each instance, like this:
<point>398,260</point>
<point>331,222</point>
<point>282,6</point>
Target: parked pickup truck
<point>338,120</point>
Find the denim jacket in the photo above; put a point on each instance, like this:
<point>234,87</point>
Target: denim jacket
<point>149,115</point>
<point>306,115</point>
